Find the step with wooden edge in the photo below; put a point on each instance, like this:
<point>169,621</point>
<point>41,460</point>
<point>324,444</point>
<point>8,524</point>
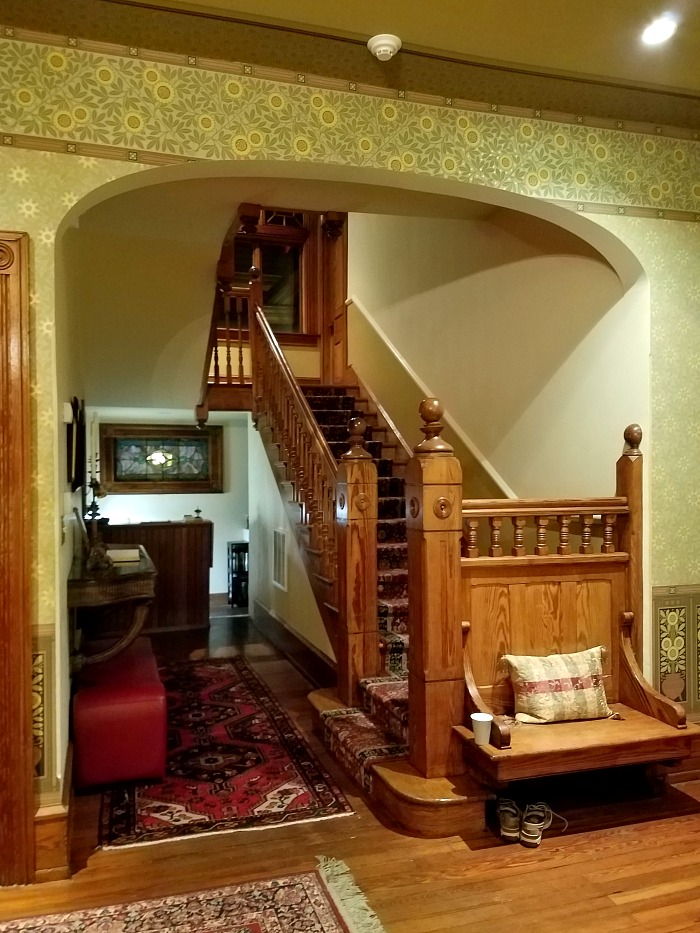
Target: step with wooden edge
<point>429,807</point>
<point>385,700</point>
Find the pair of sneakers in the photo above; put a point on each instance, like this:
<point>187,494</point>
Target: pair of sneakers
<point>525,826</point>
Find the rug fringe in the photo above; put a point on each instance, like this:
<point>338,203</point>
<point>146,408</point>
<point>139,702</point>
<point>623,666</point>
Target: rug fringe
<point>347,896</point>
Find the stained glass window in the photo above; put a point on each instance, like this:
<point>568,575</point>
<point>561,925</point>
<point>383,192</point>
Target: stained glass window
<point>179,458</point>
<point>155,458</point>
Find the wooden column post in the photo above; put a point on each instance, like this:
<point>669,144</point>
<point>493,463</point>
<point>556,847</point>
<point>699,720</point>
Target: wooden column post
<point>356,517</point>
<point>334,285</point>
<point>630,485</point>
<point>16,745</point>
<point>255,300</point>
<point>435,671</point>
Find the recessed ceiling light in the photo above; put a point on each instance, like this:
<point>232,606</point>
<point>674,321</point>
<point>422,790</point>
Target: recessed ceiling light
<point>660,29</point>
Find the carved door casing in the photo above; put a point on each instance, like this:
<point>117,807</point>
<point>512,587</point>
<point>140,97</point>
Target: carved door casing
<point>16,772</point>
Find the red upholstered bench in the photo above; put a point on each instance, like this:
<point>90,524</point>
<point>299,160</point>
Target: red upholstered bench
<point>119,719</point>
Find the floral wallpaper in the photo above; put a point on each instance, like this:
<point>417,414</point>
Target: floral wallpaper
<point>146,106</point>
<point>72,119</point>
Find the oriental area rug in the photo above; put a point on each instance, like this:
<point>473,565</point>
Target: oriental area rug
<point>323,901</point>
<point>235,761</point>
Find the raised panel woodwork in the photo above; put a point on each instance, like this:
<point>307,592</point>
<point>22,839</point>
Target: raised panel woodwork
<point>489,636</point>
<point>182,554</point>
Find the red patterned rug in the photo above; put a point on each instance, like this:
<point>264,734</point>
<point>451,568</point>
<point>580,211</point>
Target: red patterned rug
<point>323,901</point>
<point>235,761</point>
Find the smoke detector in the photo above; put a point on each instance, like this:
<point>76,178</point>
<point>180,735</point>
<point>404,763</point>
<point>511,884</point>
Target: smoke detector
<point>384,46</point>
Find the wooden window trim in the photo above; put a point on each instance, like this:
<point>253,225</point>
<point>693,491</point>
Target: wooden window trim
<point>109,432</point>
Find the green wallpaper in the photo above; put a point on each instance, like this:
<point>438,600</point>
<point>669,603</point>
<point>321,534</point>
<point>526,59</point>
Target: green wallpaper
<point>103,116</point>
<point>144,106</point>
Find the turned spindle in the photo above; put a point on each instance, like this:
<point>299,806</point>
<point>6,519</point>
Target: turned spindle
<point>607,546</point>
<point>541,522</point>
<point>495,550</point>
<point>472,525</point>
<point>586,532</point>
<point>564,545</point>
<point>518,549</point>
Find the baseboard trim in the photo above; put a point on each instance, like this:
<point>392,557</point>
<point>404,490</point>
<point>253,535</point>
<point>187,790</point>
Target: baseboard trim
<point>308,660</point>
<point>52,829</point>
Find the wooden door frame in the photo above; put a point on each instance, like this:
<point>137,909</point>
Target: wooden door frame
<point>17,856</point>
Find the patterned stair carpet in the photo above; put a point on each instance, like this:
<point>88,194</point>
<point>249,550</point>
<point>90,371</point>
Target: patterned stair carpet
<point>323,901</point>
<point>235,761</point>
<point>359,738</point>
<point>333,407</point>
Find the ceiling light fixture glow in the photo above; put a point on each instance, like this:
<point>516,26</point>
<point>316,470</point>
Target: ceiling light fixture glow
<point>660,30</point>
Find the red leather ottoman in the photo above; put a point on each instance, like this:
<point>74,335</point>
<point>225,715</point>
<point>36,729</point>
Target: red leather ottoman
<point>119,719</point>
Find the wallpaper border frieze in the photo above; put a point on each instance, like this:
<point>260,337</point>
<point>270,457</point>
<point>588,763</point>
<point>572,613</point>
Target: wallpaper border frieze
<point>285,76</point>
<point>116,102</point>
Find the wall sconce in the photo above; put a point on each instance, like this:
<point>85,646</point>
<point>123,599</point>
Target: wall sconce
<point>384,46</point>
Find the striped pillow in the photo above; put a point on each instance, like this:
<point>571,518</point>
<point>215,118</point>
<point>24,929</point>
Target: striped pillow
<point>559,687</point>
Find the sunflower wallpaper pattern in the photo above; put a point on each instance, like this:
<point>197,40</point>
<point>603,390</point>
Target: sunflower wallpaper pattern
<point>72,119</point>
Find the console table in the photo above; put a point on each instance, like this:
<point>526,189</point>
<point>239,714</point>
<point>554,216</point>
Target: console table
<point>130,584</point>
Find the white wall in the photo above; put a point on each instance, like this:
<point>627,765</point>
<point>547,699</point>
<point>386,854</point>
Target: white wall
<point>551,354</point>
<point>228,510</point>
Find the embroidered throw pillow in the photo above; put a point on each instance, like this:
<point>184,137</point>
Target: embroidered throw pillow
<point>559,687</point>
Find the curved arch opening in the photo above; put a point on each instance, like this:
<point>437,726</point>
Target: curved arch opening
<point>543,312</point>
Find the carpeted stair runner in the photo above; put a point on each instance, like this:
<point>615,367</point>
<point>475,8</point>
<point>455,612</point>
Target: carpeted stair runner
<point>358,737</point>
<point>333,407</point>
<point>356,742</point>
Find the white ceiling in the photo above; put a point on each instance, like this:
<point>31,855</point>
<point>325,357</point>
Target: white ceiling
<point>595,38</point>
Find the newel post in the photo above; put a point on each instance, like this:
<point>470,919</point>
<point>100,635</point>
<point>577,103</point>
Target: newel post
<point>356,517</point>
<point>630,485</point>
<point>434,531</point>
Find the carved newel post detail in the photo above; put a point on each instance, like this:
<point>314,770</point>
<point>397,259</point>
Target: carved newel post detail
<point>356,515</point>
<point>630,485</point>
<point>434,530</point>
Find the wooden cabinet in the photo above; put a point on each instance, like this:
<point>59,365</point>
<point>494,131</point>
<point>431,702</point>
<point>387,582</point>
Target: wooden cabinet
<point>182,553</point>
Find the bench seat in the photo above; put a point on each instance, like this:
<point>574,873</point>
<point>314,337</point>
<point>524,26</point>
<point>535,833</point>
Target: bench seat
<point>565,747</point>
<point>119,719</point>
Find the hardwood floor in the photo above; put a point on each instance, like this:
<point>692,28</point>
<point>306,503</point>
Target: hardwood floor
<point>640,871</point>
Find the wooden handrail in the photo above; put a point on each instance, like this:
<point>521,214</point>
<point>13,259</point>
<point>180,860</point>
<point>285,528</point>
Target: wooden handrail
<point>305,412</point>
<point>314,471</point>
<point>383,414</point>
<point>482,508</point>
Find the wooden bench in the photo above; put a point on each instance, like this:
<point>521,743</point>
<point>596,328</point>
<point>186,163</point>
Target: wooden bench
<point>557,600</point>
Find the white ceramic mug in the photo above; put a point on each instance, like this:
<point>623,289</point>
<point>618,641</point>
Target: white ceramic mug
<point>481,727</point>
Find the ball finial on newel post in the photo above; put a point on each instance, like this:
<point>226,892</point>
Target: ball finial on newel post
<point>356,429</point>
<point>431,411</point>
<point>633,438</point>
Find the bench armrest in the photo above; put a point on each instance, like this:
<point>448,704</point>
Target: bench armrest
<point>635,691</point>
<point>474,702</point>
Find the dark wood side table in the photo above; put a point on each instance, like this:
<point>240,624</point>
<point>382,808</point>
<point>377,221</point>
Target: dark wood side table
<point>132,584</point>
<point>183,553</point>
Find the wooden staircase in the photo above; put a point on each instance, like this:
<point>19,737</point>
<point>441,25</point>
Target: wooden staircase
<point>371,739</point>
<point>333,407</point>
